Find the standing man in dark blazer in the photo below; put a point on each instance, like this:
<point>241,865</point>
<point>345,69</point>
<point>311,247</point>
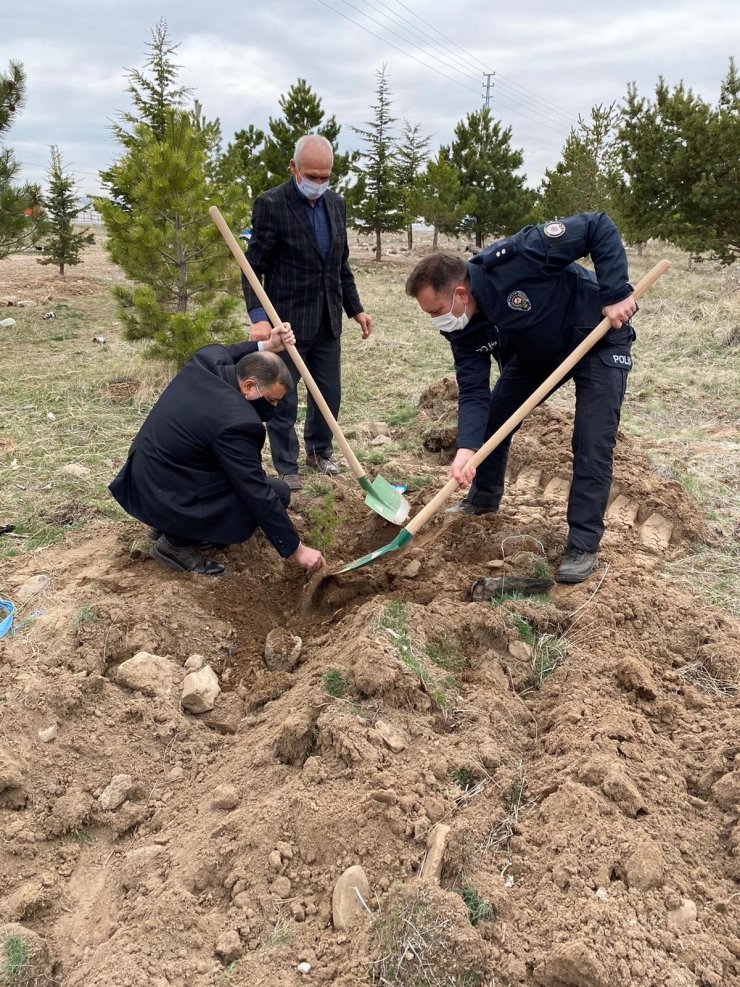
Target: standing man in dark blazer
<point>299,251</point>
<point>194,471</point>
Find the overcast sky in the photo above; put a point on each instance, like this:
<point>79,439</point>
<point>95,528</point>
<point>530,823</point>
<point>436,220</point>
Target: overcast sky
<point>552,63</point>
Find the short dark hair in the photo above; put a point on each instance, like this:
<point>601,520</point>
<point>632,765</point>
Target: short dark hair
<point>440,271</point>
<point>264,369</point>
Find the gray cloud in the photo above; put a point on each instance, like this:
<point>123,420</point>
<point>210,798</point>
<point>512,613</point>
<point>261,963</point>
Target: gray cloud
<point>552,64</point>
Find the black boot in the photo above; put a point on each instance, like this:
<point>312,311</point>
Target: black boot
<point>186,559</point>
<point>478,502</point>
<point>576,566</point>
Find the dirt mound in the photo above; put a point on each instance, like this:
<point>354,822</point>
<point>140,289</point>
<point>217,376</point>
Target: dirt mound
<point>540,790</point>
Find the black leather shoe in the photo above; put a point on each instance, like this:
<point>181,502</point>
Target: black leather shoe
<point>153,534</point>
<point>318,464</point>
<point>187,559</point>
<point>465,507</point>
<point>576,566</point>
<point>293,480</point>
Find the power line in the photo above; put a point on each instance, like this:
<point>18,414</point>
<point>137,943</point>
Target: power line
<point>544,118</point>
<point>425,34</point>
<point>386,42</point>
<point>526,94</point>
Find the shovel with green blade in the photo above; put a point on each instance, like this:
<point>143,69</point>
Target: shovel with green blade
<point>406,534</point>
<point>380,495</point>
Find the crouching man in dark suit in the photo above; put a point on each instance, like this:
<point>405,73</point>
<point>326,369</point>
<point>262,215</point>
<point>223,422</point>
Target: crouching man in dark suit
<point>194,471</point>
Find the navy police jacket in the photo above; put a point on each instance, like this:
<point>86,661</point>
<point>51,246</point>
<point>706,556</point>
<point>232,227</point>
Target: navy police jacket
<point>195,467</point>
<point>536,303</point>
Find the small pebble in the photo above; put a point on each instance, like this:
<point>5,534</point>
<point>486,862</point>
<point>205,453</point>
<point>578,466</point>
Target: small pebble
<point>304,968</point>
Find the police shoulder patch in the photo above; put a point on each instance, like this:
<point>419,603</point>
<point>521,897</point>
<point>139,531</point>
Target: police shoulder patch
<point>519,302</point>
<point>554,230</point>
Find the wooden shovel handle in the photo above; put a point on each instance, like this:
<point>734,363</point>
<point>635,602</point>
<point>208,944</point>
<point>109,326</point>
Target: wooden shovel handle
<point>532,401</point>
<point>295,356</point>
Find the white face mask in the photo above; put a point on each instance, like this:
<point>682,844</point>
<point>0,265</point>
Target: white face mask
<point>449,322</point>
<point>312,190</point>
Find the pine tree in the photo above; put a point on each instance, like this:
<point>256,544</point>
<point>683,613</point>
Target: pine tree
<point>62,244</point>
<point>20,207</point>
<point>302,114</point>
<point>153,91</point>
<point>487,163</point>
<point>167,243</point>
<point>157,220</point>
<point>439,198</point>
<point>716,196</point>
<point>413,151</point>
<point>241,167</point>
<point>680,160</point>
<point>382,207</point>
<point>587,177</point>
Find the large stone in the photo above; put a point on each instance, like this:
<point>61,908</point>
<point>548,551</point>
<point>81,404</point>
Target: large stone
<point>379,428</point>
<point>229,946</point>
<point>380,440</point>
<point>225,797</point>
<point>7,323</point>
<point>682,918</point>
<point>520,650</point>
<point>350,891</point>
<point>147,673</point>
<point>392,737</point>
<point>431,869</point>
<point>200,690</point>
<point>75,469</point>
<point>645,867</point>
<point>116,793</point>
<point>282,650</point>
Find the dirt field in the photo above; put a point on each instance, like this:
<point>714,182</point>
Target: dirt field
<point>540,790</point>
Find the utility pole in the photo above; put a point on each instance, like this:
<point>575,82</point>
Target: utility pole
<point>488,94</point>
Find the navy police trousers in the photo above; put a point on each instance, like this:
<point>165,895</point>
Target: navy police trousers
<point>600,379</point>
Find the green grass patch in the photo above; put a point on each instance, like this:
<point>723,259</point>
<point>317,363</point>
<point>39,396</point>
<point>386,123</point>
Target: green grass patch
<point>14,957</point>
<point>405,414</point>
<point>334,682</point>
<point>86,615</point>
<point>371,457</point>
<point>442,689</point>
<point>478,908</point>
<point>323,519</point>
<point>446,652</point>
<point>464,778</point>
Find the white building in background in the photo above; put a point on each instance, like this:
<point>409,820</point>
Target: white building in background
<point>89,213</point>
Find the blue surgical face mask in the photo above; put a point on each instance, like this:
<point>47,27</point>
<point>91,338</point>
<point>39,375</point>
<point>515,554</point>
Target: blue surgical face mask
<point>449,322</point>
<point>312,190</point>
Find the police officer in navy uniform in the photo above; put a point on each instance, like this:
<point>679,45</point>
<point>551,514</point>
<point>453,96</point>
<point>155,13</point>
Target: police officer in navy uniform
<point>525,303</point>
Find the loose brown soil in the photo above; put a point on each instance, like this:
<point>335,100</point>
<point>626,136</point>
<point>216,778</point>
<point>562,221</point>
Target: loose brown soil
<point>596,813</point>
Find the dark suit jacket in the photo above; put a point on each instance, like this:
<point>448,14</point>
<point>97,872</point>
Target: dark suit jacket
<point>285,256</point>
<point>195,467</point>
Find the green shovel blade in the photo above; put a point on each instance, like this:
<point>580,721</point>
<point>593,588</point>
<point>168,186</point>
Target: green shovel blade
<point>403,536</point>
<point>385,499</point>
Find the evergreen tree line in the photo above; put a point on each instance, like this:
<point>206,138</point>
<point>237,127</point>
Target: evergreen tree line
<point>665,167</point>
